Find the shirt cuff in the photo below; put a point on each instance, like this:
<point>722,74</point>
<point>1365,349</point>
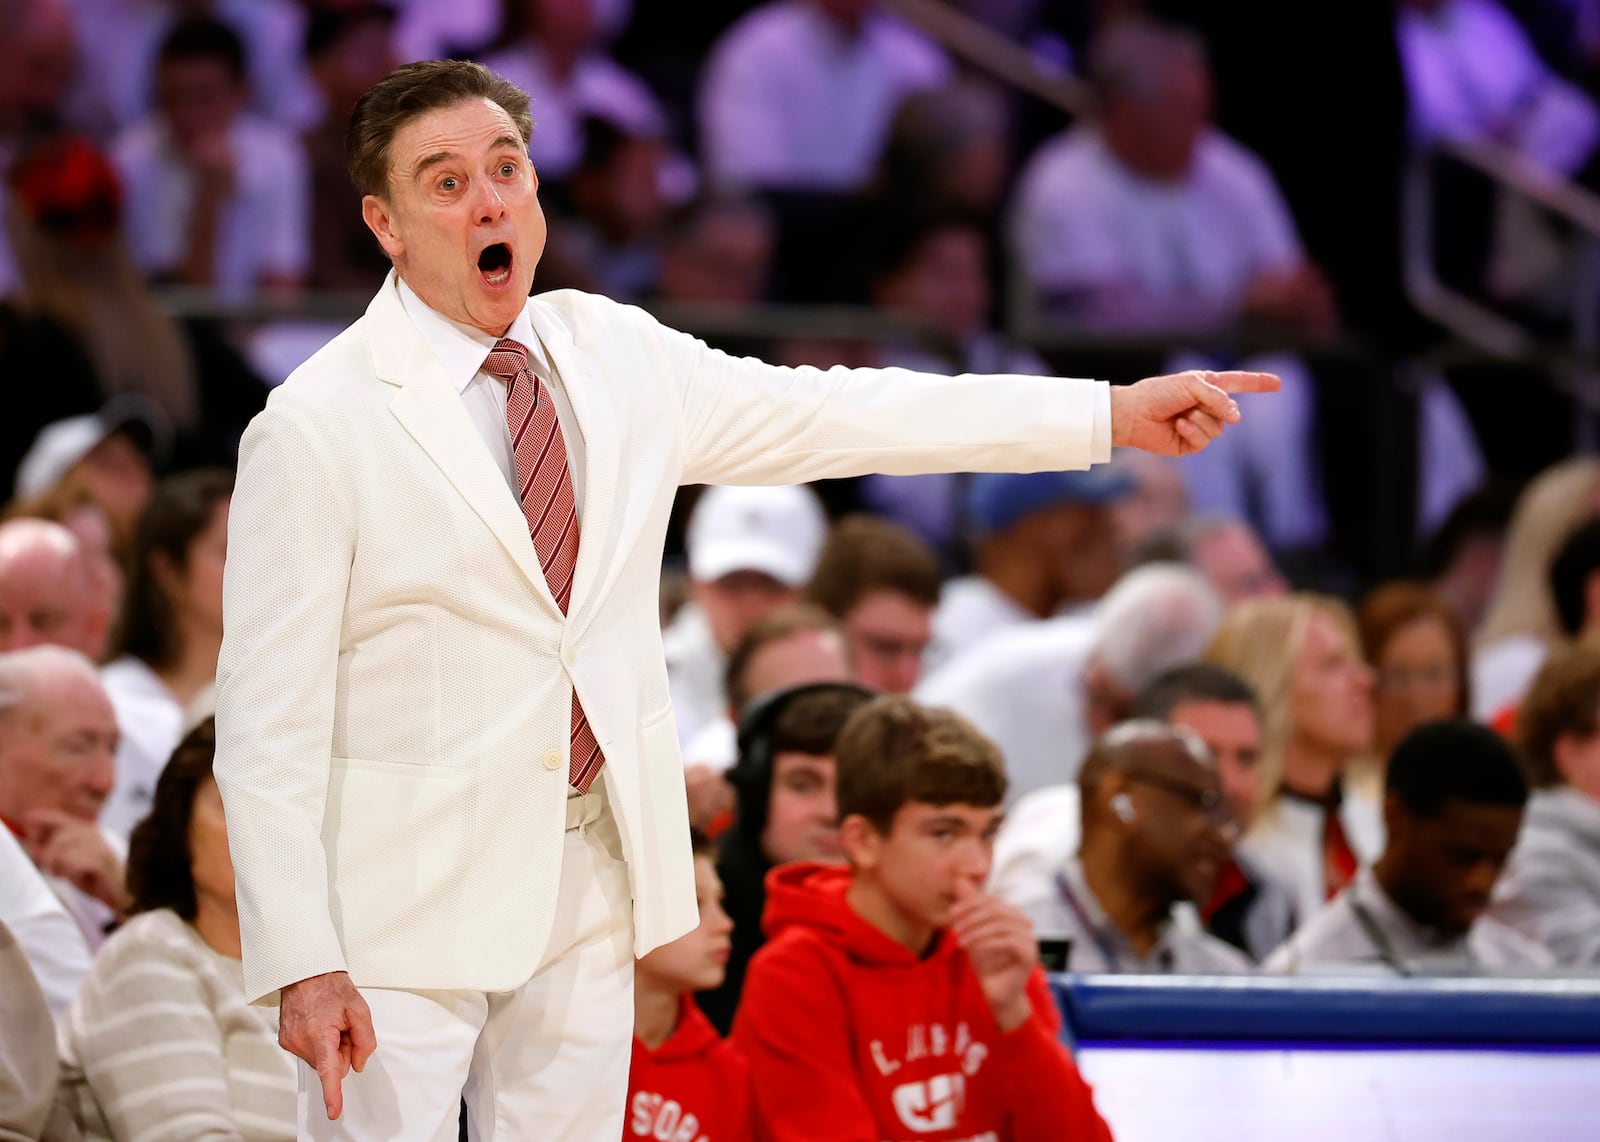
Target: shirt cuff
<point>1100,434</point>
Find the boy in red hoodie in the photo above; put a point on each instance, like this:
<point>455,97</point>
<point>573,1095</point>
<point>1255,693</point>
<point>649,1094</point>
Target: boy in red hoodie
<point>687,1084</point>
<point>894,1001</point>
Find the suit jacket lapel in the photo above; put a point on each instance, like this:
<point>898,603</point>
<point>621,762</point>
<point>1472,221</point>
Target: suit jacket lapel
<point>591,406</point>
<point>432,412</point>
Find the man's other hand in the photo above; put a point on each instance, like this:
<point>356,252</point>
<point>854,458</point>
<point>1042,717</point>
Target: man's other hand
<point>1182,413</point>
<point>324,1021</point>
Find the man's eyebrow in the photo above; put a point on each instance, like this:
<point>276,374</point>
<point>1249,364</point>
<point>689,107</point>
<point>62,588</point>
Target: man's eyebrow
<point>432,160</point>
<point>501,143</point>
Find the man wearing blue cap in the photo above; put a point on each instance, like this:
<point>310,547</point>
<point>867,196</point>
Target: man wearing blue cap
<point>1042,542</point>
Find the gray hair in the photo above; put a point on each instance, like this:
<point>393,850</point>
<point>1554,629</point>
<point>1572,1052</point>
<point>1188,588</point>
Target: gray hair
<point>1156,617</point>
<point>1131,58</point>
<point>21,672</point>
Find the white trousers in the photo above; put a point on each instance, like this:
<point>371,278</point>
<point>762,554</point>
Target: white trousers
<point>546,1061</point>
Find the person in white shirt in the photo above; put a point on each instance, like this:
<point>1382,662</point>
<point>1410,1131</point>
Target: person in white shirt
<point>1454,798</point>
<point>751,550</point>
<point>1041,692</point>
<point>1150,218</point>
<point>164,659</point>
<point>216,197</point>
<point>799,94</point>
<point>550,50</point>
<point>1043,543</point>
<point>1318,816</point>
<point>47,935</point>
<point>445,744</point>
<point>58,736</point>
<point>1156,831</point>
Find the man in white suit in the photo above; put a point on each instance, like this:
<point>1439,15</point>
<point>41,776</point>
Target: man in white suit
<point>455,803</point>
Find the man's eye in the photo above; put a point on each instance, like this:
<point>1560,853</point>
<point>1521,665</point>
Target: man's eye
<point>448,184</point>
<point>508,169</point>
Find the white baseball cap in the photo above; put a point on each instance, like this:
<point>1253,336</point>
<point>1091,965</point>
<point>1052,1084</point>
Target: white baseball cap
<point>777,531</point>
<point>60,445</point>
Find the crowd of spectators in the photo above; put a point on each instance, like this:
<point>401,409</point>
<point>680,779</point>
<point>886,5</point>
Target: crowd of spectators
<point>1227,745</point>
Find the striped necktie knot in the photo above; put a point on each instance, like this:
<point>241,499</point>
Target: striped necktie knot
<point>507,359</point>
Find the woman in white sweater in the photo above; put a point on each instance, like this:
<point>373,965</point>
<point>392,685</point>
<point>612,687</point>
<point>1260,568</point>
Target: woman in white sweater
<point>160,1043</point>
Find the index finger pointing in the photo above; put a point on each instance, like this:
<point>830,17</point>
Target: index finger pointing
<point>331,1067</point>
<point>1239,381</point>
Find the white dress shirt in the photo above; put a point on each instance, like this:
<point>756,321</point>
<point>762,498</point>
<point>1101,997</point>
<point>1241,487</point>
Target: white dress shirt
<point>462,350</point>
<point>48,936</point>
<point>1023,689</point>
<point>971,609</point>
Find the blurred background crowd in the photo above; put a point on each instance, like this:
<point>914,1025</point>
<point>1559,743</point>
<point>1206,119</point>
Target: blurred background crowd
<point>1372,608</point>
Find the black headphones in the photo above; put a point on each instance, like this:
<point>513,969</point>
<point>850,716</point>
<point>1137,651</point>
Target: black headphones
<point>751,775</point>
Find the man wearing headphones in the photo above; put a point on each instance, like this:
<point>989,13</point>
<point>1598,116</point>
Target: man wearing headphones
<point>787,811</point>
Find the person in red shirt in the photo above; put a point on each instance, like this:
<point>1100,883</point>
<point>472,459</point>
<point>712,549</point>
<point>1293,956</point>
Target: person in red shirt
<point>894,1000</point>
<point>686,1084</point>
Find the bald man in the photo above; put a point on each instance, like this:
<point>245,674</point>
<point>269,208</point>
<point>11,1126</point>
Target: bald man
<point>1156,831</point>
<point>47,593</point>
<point>58,742</point>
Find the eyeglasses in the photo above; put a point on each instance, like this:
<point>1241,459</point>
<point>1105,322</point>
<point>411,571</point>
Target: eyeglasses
<point>1207,799</point>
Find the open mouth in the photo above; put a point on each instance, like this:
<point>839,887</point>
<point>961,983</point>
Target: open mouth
<point>494,263</point>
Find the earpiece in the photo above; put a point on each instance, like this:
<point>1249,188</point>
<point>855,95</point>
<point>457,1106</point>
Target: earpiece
<point>1122,806</point>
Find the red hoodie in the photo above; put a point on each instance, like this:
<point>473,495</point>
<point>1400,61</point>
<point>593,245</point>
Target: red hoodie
<point>852,1038</point>
<point>693,1088</point>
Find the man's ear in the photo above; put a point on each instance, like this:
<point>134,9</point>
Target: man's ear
<point>379,217</point>
<point>861,842</point>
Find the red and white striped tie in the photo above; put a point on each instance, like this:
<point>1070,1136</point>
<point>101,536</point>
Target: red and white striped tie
<point>544,487</point>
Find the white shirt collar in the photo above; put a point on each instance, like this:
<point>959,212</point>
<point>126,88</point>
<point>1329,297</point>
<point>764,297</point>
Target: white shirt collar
<point>461,349</point>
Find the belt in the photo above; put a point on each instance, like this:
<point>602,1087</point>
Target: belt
<point>583,808</point>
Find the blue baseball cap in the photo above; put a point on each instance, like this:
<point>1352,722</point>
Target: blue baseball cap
<point>997,501</point>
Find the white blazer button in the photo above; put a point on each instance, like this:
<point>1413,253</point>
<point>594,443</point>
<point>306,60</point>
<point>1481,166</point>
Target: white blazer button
<point>570,657</point>
<point>552,760</point>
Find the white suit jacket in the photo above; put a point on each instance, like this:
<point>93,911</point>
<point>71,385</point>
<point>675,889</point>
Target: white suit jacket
<point>395,684</point>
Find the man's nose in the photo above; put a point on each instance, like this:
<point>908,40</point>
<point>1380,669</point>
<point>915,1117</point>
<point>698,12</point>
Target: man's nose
<point>102,775</point>
<point>492,207</point>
